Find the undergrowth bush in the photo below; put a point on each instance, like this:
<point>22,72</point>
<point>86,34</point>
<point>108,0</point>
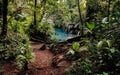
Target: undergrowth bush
<point>16,48</point>
<point>103,59</point>
<point>20,26</point>
<point>45,28</point>
<point>76,51</point>
<point>26,27</point>
<point>42,30</point>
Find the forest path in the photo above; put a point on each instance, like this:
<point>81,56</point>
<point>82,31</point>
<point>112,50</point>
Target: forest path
<point>43,62</point>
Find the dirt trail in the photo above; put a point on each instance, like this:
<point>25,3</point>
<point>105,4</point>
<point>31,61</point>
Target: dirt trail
<point>41,65</point>
<point>43,61</point>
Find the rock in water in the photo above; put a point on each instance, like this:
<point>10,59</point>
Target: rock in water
<point>43,47</point>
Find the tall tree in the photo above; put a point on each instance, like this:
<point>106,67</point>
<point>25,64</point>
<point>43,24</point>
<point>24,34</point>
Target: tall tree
<point>5,11</point>
<point>108,13</point>
<point>0,9</point>
<point>35,5</point>
<point>80,16</point>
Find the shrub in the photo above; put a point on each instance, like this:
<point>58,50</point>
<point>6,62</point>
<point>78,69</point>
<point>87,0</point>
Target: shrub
<point>81,67</point>
<point>20,26</point>
<point>42,30</point>
<point>77,52</point>
<point>15,48</point>
<point>45,28</point>
<point>103,59</point>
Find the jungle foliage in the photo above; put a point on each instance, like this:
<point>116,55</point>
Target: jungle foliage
<point>97,22</point>
<point>15,47</point>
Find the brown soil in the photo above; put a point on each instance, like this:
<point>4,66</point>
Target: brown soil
<point>42,64</point>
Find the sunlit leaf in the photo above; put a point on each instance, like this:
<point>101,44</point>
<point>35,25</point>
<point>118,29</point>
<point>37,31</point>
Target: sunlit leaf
<point>91,25</point>
<point>99,45</point>
<point>109,43</point>
<point>104,20</point>
<point>75,46</point>
<point>104,73</point>
<point>112,50</point>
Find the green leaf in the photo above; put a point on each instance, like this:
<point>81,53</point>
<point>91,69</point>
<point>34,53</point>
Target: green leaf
<point>112,50</point>
<point>70,52</point>
<point>104,20</point>
<point>109,43</point>
<point>104,73</point>
<point>99,45</point>
<point>75,46</point>
<point>91,25</point>
<point>20,57</point>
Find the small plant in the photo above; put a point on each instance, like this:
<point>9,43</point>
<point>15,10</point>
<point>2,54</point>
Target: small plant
<point>104,43</point>
<point>81,67</point>
<point>45,28</point>
<point>91,25</point>
<point>77,52</point>
<point>75,46</point>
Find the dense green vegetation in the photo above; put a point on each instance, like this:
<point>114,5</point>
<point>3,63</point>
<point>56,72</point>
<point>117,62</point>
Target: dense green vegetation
<point>97,23</point>
<point>15,48</point>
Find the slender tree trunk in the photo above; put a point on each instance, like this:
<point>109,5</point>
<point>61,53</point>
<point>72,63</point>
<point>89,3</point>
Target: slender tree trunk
<point>35,22</point>
<point>80,16</point>
<point>5,11</point>
<point>0,9</point>
<point>108,14</point>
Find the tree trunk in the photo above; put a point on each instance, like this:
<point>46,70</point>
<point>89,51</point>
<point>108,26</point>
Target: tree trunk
<point>5,10</point>
<point>108,13</point>
<point>35,22</point>
<point>80,16</point>
<point>1,9</point>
